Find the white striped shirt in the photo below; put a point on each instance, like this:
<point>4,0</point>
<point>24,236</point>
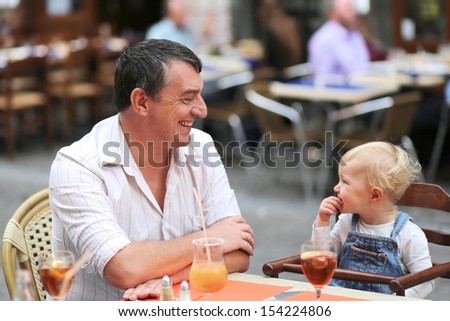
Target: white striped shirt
<point>101,202</point>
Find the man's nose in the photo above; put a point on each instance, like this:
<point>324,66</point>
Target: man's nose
<point>200,109</point>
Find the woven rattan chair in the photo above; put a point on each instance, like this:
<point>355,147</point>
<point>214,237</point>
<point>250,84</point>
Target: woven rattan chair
<point>27,234</point>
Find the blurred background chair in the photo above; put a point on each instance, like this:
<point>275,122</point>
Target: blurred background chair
<point>300,70</point>
<point>24,104</point>
<point>441,134</point>
<point>27,234</point>
<point>73,80</point>
<point>226,105</point>
<point>285,131</point>
<point>388,118</point>
<point>108,50</point>
<point>418,195</point>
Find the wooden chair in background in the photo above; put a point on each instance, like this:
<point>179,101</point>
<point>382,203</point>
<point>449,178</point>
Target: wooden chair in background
<point>108,50</point>
<point>24,103</point>
<point>418,195</point>
<point>391,119</point>
<point>387,118</point>
<point>73,79</point>
<point>441,135</point>
<point>285,126</point>
<point>231,110</point>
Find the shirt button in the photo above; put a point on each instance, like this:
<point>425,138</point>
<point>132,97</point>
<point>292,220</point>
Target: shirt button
<point>390,247</point>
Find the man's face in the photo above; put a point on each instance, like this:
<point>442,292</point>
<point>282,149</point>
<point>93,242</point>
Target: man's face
<point>175,109</point>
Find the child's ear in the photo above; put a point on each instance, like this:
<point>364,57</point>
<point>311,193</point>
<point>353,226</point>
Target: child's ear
<point>377,193</point>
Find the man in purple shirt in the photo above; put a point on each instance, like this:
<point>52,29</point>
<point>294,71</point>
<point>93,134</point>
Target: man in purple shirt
<point>337,48</point>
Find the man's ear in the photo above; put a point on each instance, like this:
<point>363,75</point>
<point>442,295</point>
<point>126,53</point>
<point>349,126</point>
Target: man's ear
<point>139,101</point>
<point>376,194</point>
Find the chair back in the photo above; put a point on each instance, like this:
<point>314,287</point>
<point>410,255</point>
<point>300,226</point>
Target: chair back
<point>298,71</point>
<point>74,67</point>
<point>106,66</point>
<point>429,196</point>
<point>73,78</point>
<point>22,84</point>
<point>399,118</point>
<point>398,112</point>
<point>27,234</point>
<point>284,123</point>
<point>24,103</point>
<point>439,140</point>
<point>286,128</point>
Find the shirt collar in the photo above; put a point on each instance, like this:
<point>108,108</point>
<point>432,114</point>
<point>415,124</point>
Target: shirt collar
<point>113,149</point>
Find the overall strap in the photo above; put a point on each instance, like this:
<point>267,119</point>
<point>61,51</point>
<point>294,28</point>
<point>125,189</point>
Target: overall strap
<point>400,222</point>
<point>355,219</point>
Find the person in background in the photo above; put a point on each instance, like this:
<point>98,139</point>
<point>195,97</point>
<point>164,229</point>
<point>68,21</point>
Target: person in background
<point>372,178</point>
<point>173,25</point>
<point>280,36</point>
<point>338,48</point>
<point>125,191</point>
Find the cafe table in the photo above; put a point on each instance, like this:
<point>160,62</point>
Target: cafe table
<point>217,72</point>
<point>250,287</point>
<point>342,92</point>
<point>423,75</point>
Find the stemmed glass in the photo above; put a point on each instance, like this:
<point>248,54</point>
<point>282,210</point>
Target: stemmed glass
<point>53,268</point>
<point>318,259</point>
<point>208,271</point>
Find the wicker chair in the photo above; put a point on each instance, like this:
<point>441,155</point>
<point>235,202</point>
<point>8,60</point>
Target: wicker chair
<point>27,234</point>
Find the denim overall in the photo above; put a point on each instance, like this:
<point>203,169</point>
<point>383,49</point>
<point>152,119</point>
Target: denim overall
<point>371,253</point>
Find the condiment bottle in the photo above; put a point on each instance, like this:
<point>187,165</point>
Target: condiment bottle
<point>185,293</point>
<point>166,289</point>
<point>24,290</point>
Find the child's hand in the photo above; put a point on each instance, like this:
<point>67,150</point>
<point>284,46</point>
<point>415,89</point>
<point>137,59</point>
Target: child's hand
<point>331,205</point>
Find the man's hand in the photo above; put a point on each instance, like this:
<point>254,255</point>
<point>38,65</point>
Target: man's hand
<point>236,233</point>
<point>147,290</point>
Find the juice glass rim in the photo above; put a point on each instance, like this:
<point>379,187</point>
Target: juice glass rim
<point>211,241</point>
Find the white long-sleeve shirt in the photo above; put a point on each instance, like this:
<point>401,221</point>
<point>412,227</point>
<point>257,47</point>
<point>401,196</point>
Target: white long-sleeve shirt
<point>102,203</point>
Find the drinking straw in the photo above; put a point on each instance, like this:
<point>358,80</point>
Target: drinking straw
<point>73,270</point>
<point>202,216</point>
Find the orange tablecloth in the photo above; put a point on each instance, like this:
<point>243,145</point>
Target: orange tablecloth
<point>240,291</point>
<point>311,296</point>
<point>249,291</point>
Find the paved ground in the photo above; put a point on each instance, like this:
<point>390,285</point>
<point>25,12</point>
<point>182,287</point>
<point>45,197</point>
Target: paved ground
<point>273,205</point>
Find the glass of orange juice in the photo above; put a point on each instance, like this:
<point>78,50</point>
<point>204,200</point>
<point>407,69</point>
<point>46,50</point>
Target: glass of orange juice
<point>208,271</point>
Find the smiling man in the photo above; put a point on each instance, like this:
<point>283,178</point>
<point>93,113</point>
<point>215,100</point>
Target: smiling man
<point>125,191</point>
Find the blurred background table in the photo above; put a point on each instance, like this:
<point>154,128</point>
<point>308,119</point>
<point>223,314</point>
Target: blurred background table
<point>348,92</point>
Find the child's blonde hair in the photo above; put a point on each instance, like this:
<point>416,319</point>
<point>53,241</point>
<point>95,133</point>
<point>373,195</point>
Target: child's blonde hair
<point>387,166</point>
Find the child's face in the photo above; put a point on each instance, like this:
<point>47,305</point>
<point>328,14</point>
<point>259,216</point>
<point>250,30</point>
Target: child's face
<point>353,187</point>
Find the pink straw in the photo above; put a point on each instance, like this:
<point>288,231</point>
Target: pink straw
<point>203,224</point>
